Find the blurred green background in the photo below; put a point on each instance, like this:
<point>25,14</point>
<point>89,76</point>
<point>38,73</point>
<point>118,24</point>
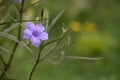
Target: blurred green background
<point>93,32</point>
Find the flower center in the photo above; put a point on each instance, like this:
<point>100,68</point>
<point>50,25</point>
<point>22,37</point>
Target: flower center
<point>35,33</point>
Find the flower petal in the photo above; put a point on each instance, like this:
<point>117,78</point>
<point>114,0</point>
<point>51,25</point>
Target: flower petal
<point>35,42</point>
<point>30,26</point>
<point>27,34</point>
<point>40,27</point>
<point>43,36</point>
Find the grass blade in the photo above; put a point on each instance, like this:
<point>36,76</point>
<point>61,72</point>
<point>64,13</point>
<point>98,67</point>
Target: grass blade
<point>13,38</point>
<point>57,18</point>
<point>5,50</point>
<point>78,57</point>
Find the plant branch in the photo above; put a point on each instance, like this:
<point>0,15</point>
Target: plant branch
<point>36,63</point>
<point>39,54</point>
<point>9,62</point>
<point>3,61</point>
<point>60,39</point>
<point>3,4</point>
<point>79,57</point>
<point>18,21</point>
<point>38,58</point>
<point>16,44</point>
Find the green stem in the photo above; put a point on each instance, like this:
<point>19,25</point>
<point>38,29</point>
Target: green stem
<point>41,59</point>
<point>36,64</point>
<point>3,61</point>
<point>51,50</point>
<point>16,44</point>
<point>19,21</point>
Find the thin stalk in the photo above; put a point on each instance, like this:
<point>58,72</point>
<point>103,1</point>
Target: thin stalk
<point>79,57</point>
<point>60,39</point>
<point>16,44</point>
<point>36,64</point>
<point>3,61</point>
<point>9,62</point>
<point>21,17</point>
<point>3,4</point>
<point>19,21</point>
<point>51,50</point>
<point>41,59</point>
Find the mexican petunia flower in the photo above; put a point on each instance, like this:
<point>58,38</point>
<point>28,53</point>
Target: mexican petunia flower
<point>35,33</point>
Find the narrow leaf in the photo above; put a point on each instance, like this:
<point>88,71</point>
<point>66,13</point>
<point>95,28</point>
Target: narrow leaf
<point>57,17</point>
<point>9,29</point>
<point>11,37</point>
<point>78,57</point>
<point>5,50</point>
<point>50,42</point>
<point>25,45</point>
<point>42,12</point>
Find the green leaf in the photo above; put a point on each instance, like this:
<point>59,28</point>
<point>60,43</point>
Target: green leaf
<point>57,18</point>
<point>11,37</point>
<point>50,42</point>
<point>80,58</point>
<point>28,48</point>
<point>58,42</point>
<point>9,29</point>
<point>5,50</point>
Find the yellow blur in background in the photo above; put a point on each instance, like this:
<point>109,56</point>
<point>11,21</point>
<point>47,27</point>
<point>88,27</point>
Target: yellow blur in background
<point>83,27</point>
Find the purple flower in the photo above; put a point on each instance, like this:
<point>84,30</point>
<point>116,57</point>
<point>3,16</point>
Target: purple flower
<point>35,33</point>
